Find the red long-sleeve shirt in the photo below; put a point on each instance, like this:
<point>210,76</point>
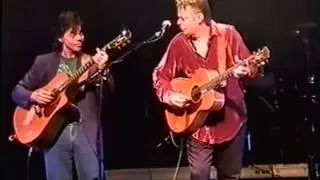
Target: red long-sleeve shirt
<point>181,60</point>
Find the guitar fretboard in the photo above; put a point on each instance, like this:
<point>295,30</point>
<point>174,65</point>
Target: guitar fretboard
<point>257,58</point>
<point>214,83</point>
<point>81,70</point>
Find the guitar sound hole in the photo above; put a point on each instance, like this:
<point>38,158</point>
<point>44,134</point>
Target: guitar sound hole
<point>195,93</point>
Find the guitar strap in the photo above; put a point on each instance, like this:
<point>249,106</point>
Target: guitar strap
<point>223,49</point>
<point>84,59</point>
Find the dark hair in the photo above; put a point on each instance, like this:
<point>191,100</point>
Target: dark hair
<point>66,20</point>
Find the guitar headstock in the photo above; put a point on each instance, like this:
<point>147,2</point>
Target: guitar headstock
<point>120,41</point>
<point>260,57</point>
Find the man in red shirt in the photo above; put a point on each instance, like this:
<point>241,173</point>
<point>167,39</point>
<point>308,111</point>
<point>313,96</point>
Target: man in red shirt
<point>204,43</point>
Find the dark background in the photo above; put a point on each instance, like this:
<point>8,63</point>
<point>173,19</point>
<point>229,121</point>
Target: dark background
<point>132,118</point>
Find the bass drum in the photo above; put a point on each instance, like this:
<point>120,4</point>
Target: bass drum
<point>273,118</point>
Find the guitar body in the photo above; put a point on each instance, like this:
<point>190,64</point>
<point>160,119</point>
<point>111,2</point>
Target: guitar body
<point>189,119</point>
<point>40,130</point>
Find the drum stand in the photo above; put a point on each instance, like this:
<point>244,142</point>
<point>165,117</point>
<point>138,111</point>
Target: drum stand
<point>311,117</point>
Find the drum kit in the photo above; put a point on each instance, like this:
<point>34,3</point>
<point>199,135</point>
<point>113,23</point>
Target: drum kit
<point>308,33</point>
<point>294,105</point>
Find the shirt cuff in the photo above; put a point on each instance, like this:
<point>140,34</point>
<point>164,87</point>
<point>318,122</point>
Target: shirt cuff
<point>166,96</point>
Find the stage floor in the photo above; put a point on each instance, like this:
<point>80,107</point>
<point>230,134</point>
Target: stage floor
<point>262,171</point>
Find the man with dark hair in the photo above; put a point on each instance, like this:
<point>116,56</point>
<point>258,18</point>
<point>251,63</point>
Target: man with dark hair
<point>77,145</point>
<point>208,45</point>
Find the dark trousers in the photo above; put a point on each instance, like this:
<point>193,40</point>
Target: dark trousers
<point>226,157</point>
<point>72,150</point>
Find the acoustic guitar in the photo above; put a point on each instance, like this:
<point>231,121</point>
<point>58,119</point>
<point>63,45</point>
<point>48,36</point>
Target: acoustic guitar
<point>202,90</point>
<point>39,126</point>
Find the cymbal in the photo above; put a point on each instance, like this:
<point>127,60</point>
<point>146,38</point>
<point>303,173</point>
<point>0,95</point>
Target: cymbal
<point>305,29</point>
<point>307,25</point>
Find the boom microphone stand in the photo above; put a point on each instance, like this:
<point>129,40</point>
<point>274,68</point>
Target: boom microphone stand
<point>105,76</point>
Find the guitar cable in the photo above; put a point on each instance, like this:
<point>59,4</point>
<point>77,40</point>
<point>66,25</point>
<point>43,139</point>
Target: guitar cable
<point>28,162</point>
<point>13,138</point>
<point>179,157</point>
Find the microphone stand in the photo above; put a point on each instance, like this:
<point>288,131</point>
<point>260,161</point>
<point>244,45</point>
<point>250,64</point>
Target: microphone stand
<point>310,98</point>
<point>158,35</point>
<point>102,78</point>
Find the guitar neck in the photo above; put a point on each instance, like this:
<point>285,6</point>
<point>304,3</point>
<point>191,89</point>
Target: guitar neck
<point>117,43</point>
<point>81,70</point>
<point>253,60</point>
<point>86,66</point>
<point>214,83</point>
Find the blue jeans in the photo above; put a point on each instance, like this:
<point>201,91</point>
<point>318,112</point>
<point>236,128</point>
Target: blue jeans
<point>72,150</point>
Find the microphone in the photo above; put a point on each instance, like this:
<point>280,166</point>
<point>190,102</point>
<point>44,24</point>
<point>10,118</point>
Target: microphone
<point>165,25</point>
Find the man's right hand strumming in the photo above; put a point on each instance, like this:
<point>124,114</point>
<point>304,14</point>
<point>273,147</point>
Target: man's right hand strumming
<point>41,96</point>
<point>178,100</point>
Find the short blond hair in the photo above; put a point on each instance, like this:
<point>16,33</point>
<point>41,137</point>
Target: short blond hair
<point>201,5</point>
